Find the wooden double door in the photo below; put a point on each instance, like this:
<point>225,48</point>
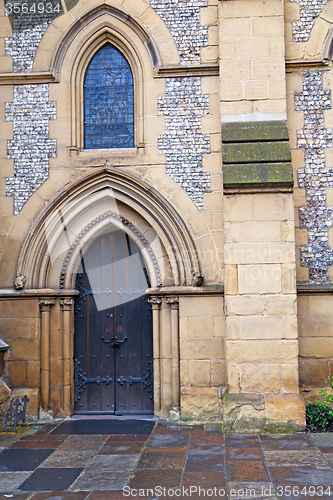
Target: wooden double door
<point>113,350</point>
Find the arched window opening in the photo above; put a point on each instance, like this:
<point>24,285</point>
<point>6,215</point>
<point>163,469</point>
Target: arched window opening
<point>108,101</point>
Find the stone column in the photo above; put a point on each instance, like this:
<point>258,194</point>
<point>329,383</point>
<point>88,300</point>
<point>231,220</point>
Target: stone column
<point>174,303</point>
<point>156,306</point>
<point>258,211</point>
<point>67,346</point>
<point>45,305</point>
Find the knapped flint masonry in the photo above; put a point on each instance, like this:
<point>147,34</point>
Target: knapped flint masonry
<point>166,208</point>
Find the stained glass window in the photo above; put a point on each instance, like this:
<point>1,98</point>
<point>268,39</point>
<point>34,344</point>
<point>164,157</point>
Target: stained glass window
<point>108,101</point>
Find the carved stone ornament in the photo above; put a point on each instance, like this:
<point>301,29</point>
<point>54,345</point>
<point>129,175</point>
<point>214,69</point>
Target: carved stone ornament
<point>155,302</point>
<point>46,303</point>
<point>197,278</point>
<point>20,281</point>
<point>108,163</point>
<point>172,300</point>
<point>66,303</point>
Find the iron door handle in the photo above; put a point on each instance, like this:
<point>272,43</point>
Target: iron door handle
<point>115,342</point>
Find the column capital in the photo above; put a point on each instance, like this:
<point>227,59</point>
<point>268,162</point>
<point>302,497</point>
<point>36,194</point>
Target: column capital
<point>45,304</point>
<point>155,302</point>
<point>66,304</point>
<point>173,301</point>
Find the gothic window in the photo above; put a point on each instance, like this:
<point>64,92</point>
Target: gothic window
<point>108,101</point>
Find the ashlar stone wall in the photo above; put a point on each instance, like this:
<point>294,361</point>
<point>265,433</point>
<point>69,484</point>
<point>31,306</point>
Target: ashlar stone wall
<point>309,90</point>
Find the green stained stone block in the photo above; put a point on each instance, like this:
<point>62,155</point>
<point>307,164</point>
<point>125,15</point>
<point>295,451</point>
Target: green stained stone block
<point>255,131</point>
<point>258,174</point>
<point>250,152</point>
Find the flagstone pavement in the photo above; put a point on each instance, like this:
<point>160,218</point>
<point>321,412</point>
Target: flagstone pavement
<point>99,459</point>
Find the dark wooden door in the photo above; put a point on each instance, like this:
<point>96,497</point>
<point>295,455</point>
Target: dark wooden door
<point>113,352</point>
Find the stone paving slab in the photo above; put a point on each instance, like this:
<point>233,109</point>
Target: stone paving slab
<point>11,480</point>
<point>117,461</point>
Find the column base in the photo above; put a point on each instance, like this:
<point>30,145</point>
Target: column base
<point>254,413</point>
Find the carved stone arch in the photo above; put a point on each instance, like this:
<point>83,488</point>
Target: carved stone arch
<point>93,228</point>
<point>160,232</point>
<point>319,45</point>
<point>145,24</point>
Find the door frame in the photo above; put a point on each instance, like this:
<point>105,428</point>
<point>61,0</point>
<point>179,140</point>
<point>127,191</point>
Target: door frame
<point>103,240</point>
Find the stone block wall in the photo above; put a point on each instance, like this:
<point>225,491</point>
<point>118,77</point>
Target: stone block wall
<point>252,59</point>
<point>261,327</point>
<point>202,357</point>
<point>20,328</point>
<point>315,342</point>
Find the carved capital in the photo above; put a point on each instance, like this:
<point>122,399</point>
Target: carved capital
<point>173,301</point>
<point>155,302</point>
<point>66,304</point>
<point>20,281</point>
<point>45,304</point>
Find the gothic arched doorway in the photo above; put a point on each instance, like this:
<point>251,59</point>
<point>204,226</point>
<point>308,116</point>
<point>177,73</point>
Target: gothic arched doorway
<point>113,343</point>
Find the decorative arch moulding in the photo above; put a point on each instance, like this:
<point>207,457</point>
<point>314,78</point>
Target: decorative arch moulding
<point>116,12</point>
<point>124,222</point>
<point>73,206</point>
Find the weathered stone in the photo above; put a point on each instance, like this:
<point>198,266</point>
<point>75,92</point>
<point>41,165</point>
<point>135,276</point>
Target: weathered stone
<point>200,407</point>
<point>256,152</point>
<point>258,174</point>
<point>284,412</point>
<point>313,372</point>
<point>33,403</point>
<point>243,413</point>
<point>4,391</point>
<point>255,131</point>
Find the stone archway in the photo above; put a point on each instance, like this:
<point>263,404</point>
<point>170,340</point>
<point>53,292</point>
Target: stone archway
<point>51,255</point>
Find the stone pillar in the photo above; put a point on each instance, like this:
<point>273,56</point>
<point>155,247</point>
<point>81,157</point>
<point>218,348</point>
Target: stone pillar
<point>174,304</point>
<point>67,346</point>
<point>258,210</point>
<point>252,60</point>
<point>156,306</point>
<point>45,305</point>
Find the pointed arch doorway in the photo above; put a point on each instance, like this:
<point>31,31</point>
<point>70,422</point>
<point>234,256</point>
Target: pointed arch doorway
<point>113,339</point>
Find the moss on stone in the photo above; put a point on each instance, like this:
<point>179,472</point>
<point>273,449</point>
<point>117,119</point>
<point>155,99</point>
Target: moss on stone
<point>258,174</point>
<point>255,131</point>
<point>249,152</point>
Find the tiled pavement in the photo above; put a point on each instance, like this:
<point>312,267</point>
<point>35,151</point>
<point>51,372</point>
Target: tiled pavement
<point>96,459</point>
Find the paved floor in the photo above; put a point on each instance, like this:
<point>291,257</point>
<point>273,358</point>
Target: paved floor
<point>117,459</point>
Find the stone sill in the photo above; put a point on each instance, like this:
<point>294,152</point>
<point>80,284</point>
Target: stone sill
<point>186,71</point>
<point>310,288</point>
<point>255,188</point>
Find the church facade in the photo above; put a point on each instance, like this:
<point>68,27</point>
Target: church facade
<point>166,208</point>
